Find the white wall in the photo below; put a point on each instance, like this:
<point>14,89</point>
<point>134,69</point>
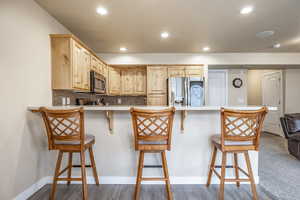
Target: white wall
<point>237,96</point>
<point>292,90</point>
<point>207,58</point>
<point>24,79</point>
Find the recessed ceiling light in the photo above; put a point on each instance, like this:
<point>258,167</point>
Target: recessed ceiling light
<point>246,10</point>
<point>123,49</point>
<point>206,49</point>
<point>277,45</point>
<point>164,34</point>
<point>102,11</point>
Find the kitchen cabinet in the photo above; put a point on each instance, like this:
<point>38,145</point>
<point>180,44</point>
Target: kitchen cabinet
<point>96,65</point>
<point>157,85</point>
<point>157,100</point>
<point>140,82</point>
<point>176,71</point>
<point>71,62</point>
<point>192,71</point>
<point>114,81</point>
<point>157,80</point>
<point>128,81</point>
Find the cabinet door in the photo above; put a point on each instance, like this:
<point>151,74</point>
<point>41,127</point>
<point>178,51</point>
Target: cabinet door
<point>176,71</point>
<point>85,73</point>
<point>114,81</point>
<point>94,64</point>
<point>157,80</point>
<point>140,82</point>
<point>77,62</point>
<point>191,71</point>
<point>157,100</point>
<point>128,81</point>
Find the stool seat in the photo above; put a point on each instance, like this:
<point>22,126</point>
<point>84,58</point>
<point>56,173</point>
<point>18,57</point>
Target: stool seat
<point>152,147</point>
<point>217,140</point>
<point>87,139</point>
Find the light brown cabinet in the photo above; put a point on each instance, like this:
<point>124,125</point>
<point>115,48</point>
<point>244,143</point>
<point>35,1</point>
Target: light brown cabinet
<point>157,100</point>
<point>128,81</point>
<point>157,85</point>
<point>132,81</point>
<point>191,71</point>
<point>140,82</point>
<point>71,63</point>
<point>185,71</point>
<point>157,80</point>
<point>176,71</point>
<point>114,84</point>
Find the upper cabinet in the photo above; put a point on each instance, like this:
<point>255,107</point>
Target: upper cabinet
<point>132,81</point>
<point>128,81</point>
<point>192,71</point>
<point>176,71</point>
<point>186,71</point>
<point>72,62</point>
<point>157,79</point>
<point>114,84</point>
<point>140,87</point>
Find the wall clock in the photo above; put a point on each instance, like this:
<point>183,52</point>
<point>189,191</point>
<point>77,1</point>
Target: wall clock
<point>237,83</point>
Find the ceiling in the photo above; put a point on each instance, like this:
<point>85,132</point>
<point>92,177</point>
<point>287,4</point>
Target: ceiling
<point>192,24</point>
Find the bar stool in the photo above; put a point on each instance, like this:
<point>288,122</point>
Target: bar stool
<point>65,131</point>
<point>152,134</point>
<point>240,133</point>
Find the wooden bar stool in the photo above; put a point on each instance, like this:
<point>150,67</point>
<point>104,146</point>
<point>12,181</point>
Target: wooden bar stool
<point>152,134</point>
<point>65,131</point>
<point>240,133</point>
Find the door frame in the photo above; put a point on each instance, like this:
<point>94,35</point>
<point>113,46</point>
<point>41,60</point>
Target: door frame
<point>281,107</point>
<point>226,81</point>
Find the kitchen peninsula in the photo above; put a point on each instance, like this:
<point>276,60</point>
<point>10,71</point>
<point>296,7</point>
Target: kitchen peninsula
<point>191,148</point>
<point>79,75</point>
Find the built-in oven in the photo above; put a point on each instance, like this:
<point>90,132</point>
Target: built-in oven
<point>97,83</point>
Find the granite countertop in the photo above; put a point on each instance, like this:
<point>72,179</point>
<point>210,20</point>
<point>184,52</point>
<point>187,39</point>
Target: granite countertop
<point>126,108</point>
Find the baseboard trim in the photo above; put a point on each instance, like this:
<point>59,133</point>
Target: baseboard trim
<point>32,189</point>
<point>121,180</point>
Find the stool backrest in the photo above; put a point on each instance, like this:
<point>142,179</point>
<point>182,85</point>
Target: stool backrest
<point>152,125</point>
<point>240,125</point>
<point>63,125</point>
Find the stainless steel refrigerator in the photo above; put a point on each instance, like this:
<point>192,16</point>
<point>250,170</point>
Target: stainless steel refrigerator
<point>186,91</point>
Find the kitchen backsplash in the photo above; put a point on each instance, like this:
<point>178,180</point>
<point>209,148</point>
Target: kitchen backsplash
<point>58,95</point>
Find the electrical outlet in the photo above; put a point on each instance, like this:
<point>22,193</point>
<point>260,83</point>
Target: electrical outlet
<point>119,100</point>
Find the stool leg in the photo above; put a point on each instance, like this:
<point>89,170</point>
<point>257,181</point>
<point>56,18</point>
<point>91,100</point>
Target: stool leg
<point>212,165</point>
<point>70,167</point>
<point>166,174</point>
<point>57,168</point>
<point>93,163</point>
<point>139,176</point>
<point>250,175</point>
<point>223,170</point>
<point>236,168</point>
<point>83,176</point>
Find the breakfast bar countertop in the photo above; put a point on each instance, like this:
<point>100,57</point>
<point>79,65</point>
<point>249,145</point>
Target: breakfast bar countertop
<point>127,108</point>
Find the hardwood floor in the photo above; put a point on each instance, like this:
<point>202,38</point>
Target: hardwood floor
<point>150,192</point>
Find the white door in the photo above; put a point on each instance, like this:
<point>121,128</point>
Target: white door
<point>217,88</point>
<point>272,96</point>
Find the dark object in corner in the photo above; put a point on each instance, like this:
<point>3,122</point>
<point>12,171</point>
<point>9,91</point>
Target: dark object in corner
<point>291,127</point>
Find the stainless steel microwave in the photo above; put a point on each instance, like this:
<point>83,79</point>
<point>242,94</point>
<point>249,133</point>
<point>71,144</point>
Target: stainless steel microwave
<point>97,83</point>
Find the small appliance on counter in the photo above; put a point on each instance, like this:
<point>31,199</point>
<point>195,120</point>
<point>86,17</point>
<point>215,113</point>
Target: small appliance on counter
<point>186,91</point>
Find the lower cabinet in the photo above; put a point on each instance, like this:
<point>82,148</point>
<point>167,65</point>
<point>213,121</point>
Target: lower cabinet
<point>157,100</point>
